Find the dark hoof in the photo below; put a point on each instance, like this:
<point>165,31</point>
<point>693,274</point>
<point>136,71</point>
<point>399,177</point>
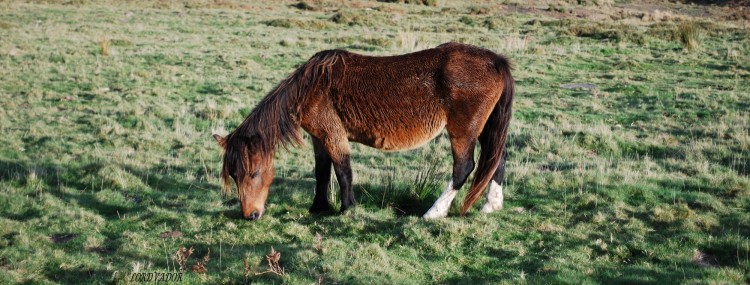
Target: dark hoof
<point>344,208</point>
<point>325,209</point>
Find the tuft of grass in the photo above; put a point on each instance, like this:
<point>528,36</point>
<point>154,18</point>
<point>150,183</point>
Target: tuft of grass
<point>689,35</point>
<point>311,24</point>
<point>6,26</point>
<point>408,41</point>
<point>559,7</point>
<point>429,176</point>
<point>478,10</point>
<point>353,17</point>
<point>607,31</point>
<point>104,47</point>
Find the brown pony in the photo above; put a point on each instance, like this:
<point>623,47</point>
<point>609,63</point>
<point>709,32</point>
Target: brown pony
<point>390,103</point>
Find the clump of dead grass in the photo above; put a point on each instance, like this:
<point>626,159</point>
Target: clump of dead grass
<point>274,267</point>
<point>181,256</point>
<point>247,269</point>
<point>308,24</point>
<point>364,18</point>
<point>408,41</point>
<point>104,47</point>
<point>689,36</point>
<point>6,25</point>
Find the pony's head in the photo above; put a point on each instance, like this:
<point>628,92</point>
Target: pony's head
<point>251,169</point>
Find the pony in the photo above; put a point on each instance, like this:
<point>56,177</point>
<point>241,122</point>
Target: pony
<point>390,103</point>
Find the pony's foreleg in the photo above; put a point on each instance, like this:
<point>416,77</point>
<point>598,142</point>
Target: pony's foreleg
<point>463,164</point>
<point>495,195</point>
<point>322,179</point>
<point>338,150</point>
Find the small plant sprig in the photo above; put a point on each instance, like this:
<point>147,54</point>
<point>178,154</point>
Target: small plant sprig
<point>273,258</point>
<point>182,256</point>
<point>247,269</point>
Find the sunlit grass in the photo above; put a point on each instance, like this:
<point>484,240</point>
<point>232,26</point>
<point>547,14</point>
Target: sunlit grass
<point>106,116</point>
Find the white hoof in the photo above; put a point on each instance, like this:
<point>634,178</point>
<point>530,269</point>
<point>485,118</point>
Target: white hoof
<point>494,198</point>
<point>489,207</point>
<point>435,214</point>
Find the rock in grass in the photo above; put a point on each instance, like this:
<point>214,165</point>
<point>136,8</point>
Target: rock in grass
<point>302,5</point>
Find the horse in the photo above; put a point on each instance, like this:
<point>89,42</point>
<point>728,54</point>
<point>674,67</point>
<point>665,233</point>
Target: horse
<point>390,103</point>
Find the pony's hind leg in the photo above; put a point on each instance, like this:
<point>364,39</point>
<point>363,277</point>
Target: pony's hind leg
<point>463,164</point>
<point>322,179</point>
<point>495,195</point>
<point>344,176</point>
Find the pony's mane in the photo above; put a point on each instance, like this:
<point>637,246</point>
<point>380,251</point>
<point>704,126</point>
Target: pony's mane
<point>273,121</point>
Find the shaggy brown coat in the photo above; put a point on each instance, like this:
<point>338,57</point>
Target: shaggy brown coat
<point>390,103</point>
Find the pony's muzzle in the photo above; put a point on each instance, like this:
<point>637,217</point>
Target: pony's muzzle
<point>254,216</point>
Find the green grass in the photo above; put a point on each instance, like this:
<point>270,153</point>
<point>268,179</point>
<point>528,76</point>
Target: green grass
<point>107,111</point>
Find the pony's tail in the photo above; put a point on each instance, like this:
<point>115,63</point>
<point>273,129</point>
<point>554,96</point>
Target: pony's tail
<point>492,138</point>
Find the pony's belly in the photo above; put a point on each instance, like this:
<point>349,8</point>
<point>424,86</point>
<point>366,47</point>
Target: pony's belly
<point>404,139</point>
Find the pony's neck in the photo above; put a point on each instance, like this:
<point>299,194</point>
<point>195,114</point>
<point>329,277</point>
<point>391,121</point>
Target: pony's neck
<point>272,122</point>
<point>274,119</point>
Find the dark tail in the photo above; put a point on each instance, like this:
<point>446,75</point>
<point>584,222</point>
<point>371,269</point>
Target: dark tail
<point>492,139</point>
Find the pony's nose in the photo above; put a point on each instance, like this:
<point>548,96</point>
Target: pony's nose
<point>254,216</point>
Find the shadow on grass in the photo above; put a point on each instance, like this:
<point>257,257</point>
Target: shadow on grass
<point>75,276</point>
<point>167,191</point>
<point>171,193</point>
<point>64,183</point>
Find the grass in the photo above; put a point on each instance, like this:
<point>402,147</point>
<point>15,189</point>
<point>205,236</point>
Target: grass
<point>108,167</point>
<point>689,36</point>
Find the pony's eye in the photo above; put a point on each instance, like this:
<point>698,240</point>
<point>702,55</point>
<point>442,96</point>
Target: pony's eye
<point>255,174</point>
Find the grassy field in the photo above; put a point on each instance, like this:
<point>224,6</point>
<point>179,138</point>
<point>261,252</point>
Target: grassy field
<point>629,150</point>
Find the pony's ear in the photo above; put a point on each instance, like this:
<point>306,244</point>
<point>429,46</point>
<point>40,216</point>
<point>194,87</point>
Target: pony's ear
<point>221,140</point>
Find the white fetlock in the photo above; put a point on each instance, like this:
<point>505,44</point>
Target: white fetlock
<point>443,203</point>
<point>494,198</point>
